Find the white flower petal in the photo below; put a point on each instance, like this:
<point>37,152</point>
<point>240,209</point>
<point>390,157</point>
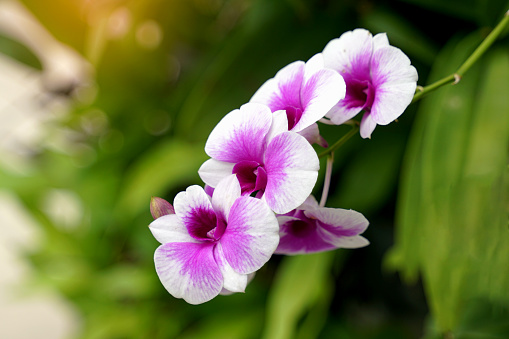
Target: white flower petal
<point>279,124</point>
<point>283,90</point>
<point>225,194</point>
<point>251,236</point>
<point>395,81</point>
<point>292,169</point>
<point>189,271</point>
<point>367,126</point>
<point>213,171</point>
<point>169,228</point>
<point>240,135</point>
<point>233,281</point>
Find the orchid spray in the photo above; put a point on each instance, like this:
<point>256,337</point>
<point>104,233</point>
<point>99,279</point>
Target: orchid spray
<point>263,167</point>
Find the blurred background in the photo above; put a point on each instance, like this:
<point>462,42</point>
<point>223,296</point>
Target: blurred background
<point>105,103</point>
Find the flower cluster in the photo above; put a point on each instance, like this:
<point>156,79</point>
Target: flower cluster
<point>262,169</point>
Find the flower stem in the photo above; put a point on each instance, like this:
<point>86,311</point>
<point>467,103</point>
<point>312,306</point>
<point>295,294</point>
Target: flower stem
<point>456,77</point>
<point>340,142</point>
<point>326,182</point>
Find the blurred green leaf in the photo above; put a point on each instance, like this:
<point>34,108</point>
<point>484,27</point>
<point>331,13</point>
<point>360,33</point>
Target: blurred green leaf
<point>300,284</point>
<point>452,213</point>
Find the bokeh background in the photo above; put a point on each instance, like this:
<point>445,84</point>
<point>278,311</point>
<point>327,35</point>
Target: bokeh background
<point>105,103</point>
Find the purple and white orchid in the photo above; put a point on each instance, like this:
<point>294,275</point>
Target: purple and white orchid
<point>279,166</point>
<point>311,228</point>
<point>212,245</point>
<point>306,92</point>
<point>379,79</point>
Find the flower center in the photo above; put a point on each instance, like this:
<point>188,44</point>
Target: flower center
<point>360,93</point>
<point>301,228</point>
<point>293,114</point>
<point>251,175</point>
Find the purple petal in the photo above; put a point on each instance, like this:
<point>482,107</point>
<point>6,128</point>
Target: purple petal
<point>299,236</point>
<point>321,92</point>
<point>292,169</point>
<point>189,271</point>
<point>240,135</point>
<point>195,211</point>
<point>395,81</point>
<point>283,90</point>
<point>169,228</point>
<point>339,222</point>
<point>252,235</point>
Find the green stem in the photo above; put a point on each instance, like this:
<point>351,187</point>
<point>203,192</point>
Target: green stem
<point>340,142</point>
<point>456,77</point>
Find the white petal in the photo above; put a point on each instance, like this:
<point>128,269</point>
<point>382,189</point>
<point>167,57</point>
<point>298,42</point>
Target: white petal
<point>284,89</point>
<point>279,124</point>
<point>213,171</point>
<point>233,281</point>
<point>189,271</point>
<point>240,135</point>
<point>225,194</point>
<point>350,242</point>
<point>319,93</point>
<point>351,51</point>
<point>251,236</point>
<point>380,40</point>
<point>292,169</point>
<point>367,126</point>
<point>395,81</point>
<point>250,277</point>
<point>169,228</point>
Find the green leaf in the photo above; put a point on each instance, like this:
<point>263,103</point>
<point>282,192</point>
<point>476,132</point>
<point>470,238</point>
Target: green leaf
<point>301,283</point>
<point>452,211</point>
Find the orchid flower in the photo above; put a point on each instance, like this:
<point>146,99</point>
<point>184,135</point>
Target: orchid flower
<point>311,228</point>
<point>279,166</point>
<point>306,92</point>
<point>212,245</point>
<point>379,79</point>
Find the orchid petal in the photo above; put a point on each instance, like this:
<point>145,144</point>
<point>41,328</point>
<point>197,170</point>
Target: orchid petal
<point>233,281</point>
<point>300,237</point>
<point>240,135</point>
<point>252,235</point>
<point>169,228</point>
<point>279,125</point>
<point>320,92</point>
<point>339,222</point>
<point>350,53</point>
<point>225,291</point>
<point>225,194</point>
<point>395,81</point>
<point>292,169</point>
<point>350,242</point>
<point>213,171</point>
<point>189,271</point>
<point>367,125</point>
<point>283,90</point>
